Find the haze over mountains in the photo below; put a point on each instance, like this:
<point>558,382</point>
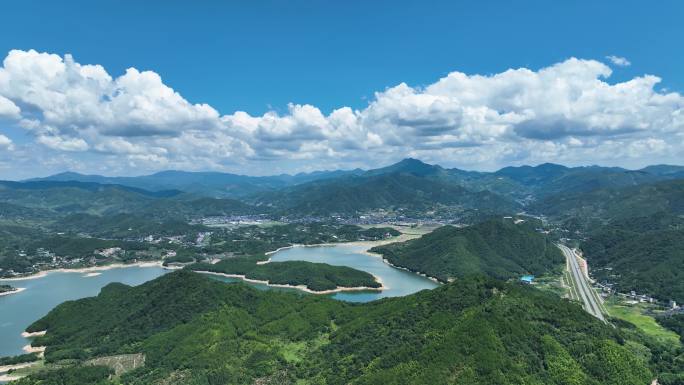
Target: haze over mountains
<point>542,179</point>
<point>409,187</point>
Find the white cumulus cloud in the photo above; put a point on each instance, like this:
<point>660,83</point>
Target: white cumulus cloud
<point>566,112</point>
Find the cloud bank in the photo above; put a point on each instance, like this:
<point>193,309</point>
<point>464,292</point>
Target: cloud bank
<point>78,116</point>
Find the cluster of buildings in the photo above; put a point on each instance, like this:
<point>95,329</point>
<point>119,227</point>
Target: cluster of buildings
<point>231,220</point>
<point>634,298</point>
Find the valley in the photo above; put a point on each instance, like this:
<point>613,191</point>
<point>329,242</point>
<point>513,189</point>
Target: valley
<point>345,248</point>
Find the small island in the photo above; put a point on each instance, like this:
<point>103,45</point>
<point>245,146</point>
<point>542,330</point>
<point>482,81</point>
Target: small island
<point>319,278</point>
<point>7,289</point>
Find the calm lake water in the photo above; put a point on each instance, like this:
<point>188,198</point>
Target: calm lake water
<point>17,311</point>
<point>398,282</point>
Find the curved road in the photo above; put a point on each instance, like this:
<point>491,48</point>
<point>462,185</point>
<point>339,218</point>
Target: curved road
<point>590,299</point>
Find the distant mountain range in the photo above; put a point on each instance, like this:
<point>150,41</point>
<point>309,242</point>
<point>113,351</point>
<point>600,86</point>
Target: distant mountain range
<point>216,184</point>
<point>49,199</point>
<point>543,179</point>
<point>392,191</point>
<point>407,185</point>
<point>608,204</point>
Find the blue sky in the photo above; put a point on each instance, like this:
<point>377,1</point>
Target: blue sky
<point>261,56</point>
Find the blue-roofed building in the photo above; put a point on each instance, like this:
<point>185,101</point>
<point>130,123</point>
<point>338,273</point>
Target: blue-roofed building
<point>527,279</point>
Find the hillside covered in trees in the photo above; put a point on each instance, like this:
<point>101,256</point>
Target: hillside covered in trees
<point>498,247</point>
<point>315,276</point>
<point>644,254</point>
<point>194,330</point>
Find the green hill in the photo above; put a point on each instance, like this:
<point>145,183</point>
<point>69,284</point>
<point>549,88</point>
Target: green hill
<point>193,330</point>
<point>121,226</point>
<point>547,179</point>
<point>315,276</point>
<point>208,184</point>
<point>633,237</point>
<point>350,195</point>
<point>47,199</point>
<point>641,254</point>
<point>498,248</point>
<point>604,205</point>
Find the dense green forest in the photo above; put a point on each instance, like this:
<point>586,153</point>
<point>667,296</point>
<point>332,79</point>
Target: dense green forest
<point>498,247</point>
<point>390,191</point>
<point>632,237</point>
<point>194,330</point>
<point>28,357</point>
<point>643,254</point>
<point>123,226</point>
<point>675,323</point>
<point>315,276</point>
<point>48,199</point>
<point>602,206</point>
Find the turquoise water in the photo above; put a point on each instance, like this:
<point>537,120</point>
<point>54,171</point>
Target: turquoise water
<point>398,282</point>
<point>17,311</point>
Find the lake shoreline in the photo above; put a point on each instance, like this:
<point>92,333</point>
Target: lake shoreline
<point>6,377</point>
<point>15,291</point>
<point>90,271</point>
<point>370,244</point>
<point>303,288</point>
<point>376,255</point>
<point>400,238</point>
<point>26,334</point>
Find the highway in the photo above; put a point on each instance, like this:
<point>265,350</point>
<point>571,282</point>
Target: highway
<point>590,300</point>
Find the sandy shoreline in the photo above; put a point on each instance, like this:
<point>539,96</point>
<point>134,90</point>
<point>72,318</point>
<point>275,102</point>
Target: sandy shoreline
<point>9,377</point>
<point>93,271</point>
<point>90,271</point>
<point>37,275</point>
<point>33,349</point>
<point>370,244</point>
<point>34,334</point>
<point>300,287</point>
<point>17,290</point>
<point>4,376</point>
<point>6,368</point>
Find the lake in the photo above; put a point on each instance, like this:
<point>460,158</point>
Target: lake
<point>19,310</point>
<point>398,282</point>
